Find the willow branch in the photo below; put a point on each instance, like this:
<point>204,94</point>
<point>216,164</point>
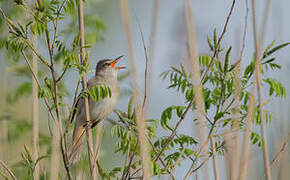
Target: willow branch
<point>192,101</point>
<point>219,41</point>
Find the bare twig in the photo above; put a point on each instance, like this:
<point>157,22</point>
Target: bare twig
<point>146,65</point>
<point>258,46</point>
<point>36,80</point>
<point>276,157</point>
<point>63,73</point>
<point>84,78</point>
<point>151,48</point>
<point>191,170</point>
<point>7,169</point>
<point>141,126</point>
<point>244,33</point>
<point>131,161</point>
<point>35,113</point>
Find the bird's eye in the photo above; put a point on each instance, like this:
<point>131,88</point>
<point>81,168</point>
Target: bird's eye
<point>107,64</point>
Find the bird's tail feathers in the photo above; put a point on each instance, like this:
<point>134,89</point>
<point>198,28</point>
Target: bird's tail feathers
<point>75,149</point>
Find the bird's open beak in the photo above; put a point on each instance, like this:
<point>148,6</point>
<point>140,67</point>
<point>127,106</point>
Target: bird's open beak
<point>113,64</point>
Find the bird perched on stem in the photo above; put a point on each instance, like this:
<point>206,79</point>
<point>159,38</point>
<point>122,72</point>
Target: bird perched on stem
<point>106,76</point>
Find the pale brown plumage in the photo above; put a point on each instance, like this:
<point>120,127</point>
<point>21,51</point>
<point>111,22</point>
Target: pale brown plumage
<point>106,74</point>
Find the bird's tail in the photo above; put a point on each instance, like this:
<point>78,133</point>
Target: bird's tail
<point>75,149</point>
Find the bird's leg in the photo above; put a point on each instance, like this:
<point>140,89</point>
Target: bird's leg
<point>92,123</point>
<point>87,124</point>
<point>95,123</point>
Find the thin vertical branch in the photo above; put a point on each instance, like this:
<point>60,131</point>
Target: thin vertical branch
<point>146,66</point>
<point>98,143</point>
<point>258,46</point>
<point>152,43</point>
<point>35,113</point>
<point>194,65</point>
<point>215,165</point>
<point>237,86</point>
<point>84,78</point>
<point>245,153</point>
<point>54,162</point>
<point>141,126</point>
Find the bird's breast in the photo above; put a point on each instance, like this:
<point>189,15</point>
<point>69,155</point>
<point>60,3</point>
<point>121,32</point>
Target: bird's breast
<point>103,107</point>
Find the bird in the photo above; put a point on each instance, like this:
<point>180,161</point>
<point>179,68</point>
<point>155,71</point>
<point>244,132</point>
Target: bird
<point>106,74</point>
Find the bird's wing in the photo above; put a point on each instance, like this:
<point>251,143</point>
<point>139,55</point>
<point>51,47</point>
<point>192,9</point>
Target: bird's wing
<point>97,80</point>
<point>78,104</point>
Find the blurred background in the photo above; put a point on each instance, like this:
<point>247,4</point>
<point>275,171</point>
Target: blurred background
<point>169,50</point>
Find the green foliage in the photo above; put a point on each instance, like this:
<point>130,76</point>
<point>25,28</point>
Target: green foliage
<point>275,87</point>
<point>219,92</point>
<point>28,162</point>
<point>167,115</point>
<point>256,139</point>
<point>22,90</point>
<point>100,92</point>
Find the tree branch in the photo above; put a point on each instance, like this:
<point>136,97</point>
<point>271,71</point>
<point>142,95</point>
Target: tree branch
<point>84,82</point>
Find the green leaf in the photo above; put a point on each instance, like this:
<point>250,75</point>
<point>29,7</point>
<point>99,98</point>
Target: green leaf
<point>130,107</point>
<point>275,86</point>
<point>210,44</point>
<point>215,38</point>
<point>275,49</point>
<point>227,60</point>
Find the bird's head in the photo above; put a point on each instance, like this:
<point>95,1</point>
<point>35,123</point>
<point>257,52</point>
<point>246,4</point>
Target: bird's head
<point>107,67</point>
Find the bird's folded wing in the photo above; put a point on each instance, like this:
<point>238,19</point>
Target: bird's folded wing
<point>97,80</point>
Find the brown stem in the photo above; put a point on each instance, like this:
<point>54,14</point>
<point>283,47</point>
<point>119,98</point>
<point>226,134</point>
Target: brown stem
<point>84,82</point>
<point>146,66</point>
<point>215,164</point>
<point>131,161</point>
<point>276,157</point>
<point>141,125</point>
<point>245,153</point>
<point>258,46</point>
<point>35,113</point>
